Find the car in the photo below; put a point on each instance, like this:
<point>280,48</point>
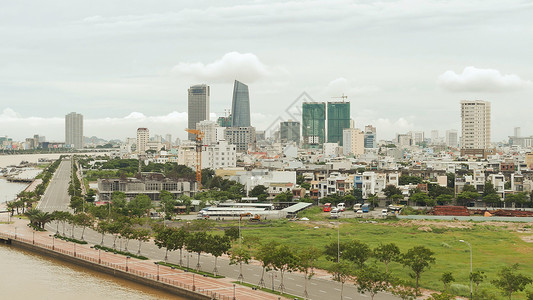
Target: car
<point>384,213</point>
<point>341,206</point>
<point>335,213</point>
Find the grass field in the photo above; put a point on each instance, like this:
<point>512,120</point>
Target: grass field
<point>495,245</point>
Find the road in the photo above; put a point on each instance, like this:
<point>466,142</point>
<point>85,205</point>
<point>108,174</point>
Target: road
<point>56,196</point>
<point>319,287</point>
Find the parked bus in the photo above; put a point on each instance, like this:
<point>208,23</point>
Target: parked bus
<point>326,207</point>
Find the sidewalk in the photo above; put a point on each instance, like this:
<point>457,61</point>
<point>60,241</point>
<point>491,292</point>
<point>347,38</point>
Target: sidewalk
<point>222,289</point>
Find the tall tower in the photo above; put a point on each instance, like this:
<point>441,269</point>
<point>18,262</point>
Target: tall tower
<point>198,106</point>
<point>475,119</point>
<point>74,130</point>
<point>143,135</point>
<point>240,105</point>
<point>338,120</point>
<point>313,123</point>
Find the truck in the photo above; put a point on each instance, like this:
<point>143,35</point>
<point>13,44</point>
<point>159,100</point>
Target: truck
<point>326,207</point>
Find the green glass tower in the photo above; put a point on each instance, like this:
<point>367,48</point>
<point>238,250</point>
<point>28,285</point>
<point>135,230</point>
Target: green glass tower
<point>314,124</point>
<point>338,120</point>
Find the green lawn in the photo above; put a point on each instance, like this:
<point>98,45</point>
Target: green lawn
<point>493,247</point>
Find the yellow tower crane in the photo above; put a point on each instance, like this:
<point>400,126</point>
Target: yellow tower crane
<point>199,136</point>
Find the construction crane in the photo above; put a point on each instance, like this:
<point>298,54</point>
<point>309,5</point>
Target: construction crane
<point>343,97</point>
<point>199,136</point>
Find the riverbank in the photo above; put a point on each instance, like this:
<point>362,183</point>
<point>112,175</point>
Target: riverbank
<point>175,281</point>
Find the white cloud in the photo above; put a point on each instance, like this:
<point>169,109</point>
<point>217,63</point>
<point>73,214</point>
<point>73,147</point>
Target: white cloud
<point>343,86</point>
<point>233,65</point>
<point>481,80</point>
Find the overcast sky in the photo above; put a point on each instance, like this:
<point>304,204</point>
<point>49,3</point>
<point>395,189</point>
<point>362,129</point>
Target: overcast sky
<point>123,64</point>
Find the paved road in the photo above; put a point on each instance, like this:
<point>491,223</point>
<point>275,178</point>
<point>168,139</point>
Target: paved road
<point>56,196</point>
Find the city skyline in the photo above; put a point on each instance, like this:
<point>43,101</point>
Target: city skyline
<point>408,68</point>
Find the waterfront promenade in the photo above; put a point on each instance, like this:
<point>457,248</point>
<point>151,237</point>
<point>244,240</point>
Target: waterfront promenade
<point>147,270</point>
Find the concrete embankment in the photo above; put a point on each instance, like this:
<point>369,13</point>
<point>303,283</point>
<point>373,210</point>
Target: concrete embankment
<point>146,279</point>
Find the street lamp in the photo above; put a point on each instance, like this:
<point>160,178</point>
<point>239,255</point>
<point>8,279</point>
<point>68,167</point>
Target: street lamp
<point>74,249</point>
<point>33,237</point>
<point>15,233</point>
<point>234,291</point>
<point>157,270</point>
<point>127,258</point>
<point>99,257</point>
<point>53,241</point>
<point>193,285</point>
<point>469,246</point>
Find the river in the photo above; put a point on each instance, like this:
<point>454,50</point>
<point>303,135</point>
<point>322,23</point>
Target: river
<point>26,275</point>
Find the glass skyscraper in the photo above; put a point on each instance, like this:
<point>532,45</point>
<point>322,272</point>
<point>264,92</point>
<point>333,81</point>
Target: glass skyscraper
<point>240,106</point>
<point>198,106</point>
<point>313,123</point>
<point>338,120</point>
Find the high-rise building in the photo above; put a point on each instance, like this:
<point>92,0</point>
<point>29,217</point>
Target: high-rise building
<point>354,141</point>
<point>475,119</point>
<point>240,106</point>
<point>143,136</point>
<point>313,123</point>
<point>224,121</point>
<point>370,137</point>
<point>417,137</point>
<point>451,138</point>
<point>289,131</point>
<point>242,137</point>
<point>338,120</point>
<point>74,130</point>
<point>198,109</point>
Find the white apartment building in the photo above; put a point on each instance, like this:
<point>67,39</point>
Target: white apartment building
<point>187,155</point>
<point>452,139</point>
<point>330,149</point>
<point>143,135</point>
<point>353,141</point>
<point>218,156</point>
<point>475,119</point>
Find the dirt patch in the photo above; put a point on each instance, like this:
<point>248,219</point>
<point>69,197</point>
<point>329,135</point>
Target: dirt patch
<point>527,238</point>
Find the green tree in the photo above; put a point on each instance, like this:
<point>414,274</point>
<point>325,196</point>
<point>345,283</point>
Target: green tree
<point>341,272</point>
<point>141,235</point>
<point>265,255</point>
<point>371,280</point>
<point>356,252</point>
<point>197,242</point>
<point>216,246</point>
<point>477,277</point>
<point>418,259</point>
<point>391,190</point>
<point>491,199</point>
<point>467,196</point>
<point>447,278</point>
<point>168,204</point>
<point>306,259</point>
<point>419,198</point>
<point>444,199</point>
<point>139,206</point>
<point>259,191</point>
<point>162,238</point>
<point>509,281</point>
<point>386,253</point>
<point>284,260</point>
<point>83,220</point>
<point>239,256</point>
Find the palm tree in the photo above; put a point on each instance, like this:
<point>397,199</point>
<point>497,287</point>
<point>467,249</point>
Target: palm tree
<point>39,218</point>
